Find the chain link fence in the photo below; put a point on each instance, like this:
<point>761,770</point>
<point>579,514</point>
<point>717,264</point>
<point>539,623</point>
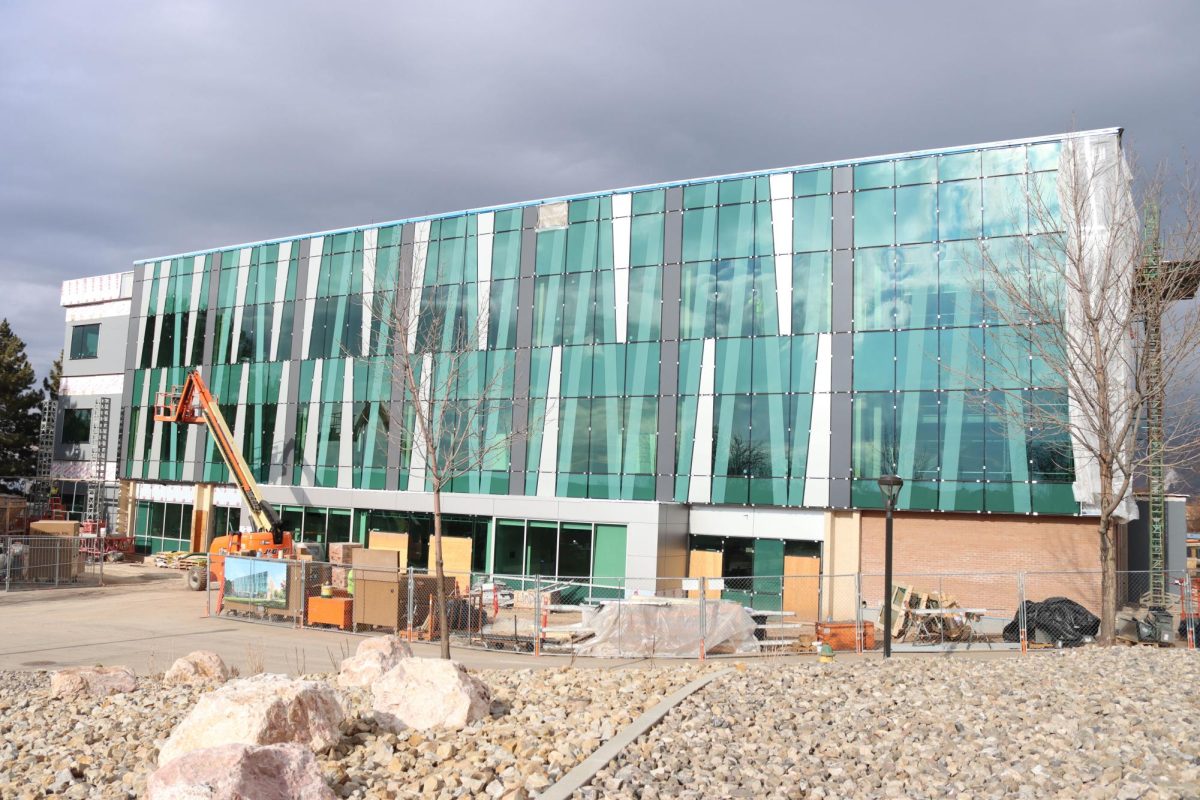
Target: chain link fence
<point>40,562</point>
<point>701,617</point>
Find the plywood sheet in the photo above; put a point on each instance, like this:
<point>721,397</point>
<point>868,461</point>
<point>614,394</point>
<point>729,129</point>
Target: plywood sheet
<point>456,560</point>
<point>801,587</point>
<point>705,564</point>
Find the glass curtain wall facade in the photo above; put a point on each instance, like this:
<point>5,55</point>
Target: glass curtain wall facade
<point>774,339</point>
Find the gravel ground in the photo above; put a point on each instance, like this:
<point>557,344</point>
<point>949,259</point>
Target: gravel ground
<point>1121,723</point>
<point>543,723</point>
<point>1117,723</point>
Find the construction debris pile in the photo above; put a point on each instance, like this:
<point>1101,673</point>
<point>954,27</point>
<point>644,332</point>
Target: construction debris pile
<point>1056,620</point>
<point>909,621</point>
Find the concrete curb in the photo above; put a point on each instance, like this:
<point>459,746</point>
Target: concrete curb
<point>585,770</point>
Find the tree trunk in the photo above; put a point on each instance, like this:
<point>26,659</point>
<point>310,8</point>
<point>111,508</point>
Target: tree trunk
<point>439,574</point>
<point>1108,583</point>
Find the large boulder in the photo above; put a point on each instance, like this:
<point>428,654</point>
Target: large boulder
<point>265,709</point>
<point>426,693</point>
<point>199,666</point>
<point>241,772</point>
<point>92,681</point>
<point>373,657</point>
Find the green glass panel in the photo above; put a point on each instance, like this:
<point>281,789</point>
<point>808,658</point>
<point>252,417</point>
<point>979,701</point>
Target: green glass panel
<point>874,220</point>
<point>649,202</point>
<point>874,362</point>
<point>916,214</point>
<point>548,310</point>
<point>874,176</point>
<point>1054,498</point>
<point>874,443</point>
<point>736,191</point>
<point>818,181</point>
<point>735,309</point>
<point>772,361</point>
<point>1005,206</point>
<point>916,286</point>
<point>604,300</point>
<point>700,234</point>
<point>764,235</point>
<point>735,238</point>
<point>734,359</point>
<point>608,370</point>
<point>641,435</point>
<point>961,358</point>
<point>874,289</point>
<point>1004,160</point>
<point>812,289</point>
<point>641,373</point>
<point>646,240</point>
<point>581,246</point>
<point>508,220</point>
<point>918,432</point>
<point>960,290</point>
<point>698,299</point>
<point>1008,361</point>
<point>959,213</point>
<point>551,251</point>
<point>1045,203</point>
<point>578,308</point>
<point>1044,156</point>
<point>812,227</point>
<point>916,170</point>
<point>645,304</point>
<point>506,255</point>
<point>917,359</point>
<point>699,195</point>
<point>608,560</point>
<point>958,166</point>
<point>583,210</point>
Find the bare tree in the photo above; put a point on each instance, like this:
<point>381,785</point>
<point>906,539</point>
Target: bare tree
<point>1083,290</point>
<point>457,414</point>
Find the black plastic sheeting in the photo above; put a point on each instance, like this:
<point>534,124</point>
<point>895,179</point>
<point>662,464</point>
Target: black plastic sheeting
<point>1059,618</point>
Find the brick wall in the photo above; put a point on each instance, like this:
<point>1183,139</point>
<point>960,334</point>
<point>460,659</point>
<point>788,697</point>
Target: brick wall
<point>1001,546</point>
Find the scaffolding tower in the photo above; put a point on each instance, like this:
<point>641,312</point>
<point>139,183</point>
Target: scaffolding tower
<point>39,492</point>
<point>96,511</point>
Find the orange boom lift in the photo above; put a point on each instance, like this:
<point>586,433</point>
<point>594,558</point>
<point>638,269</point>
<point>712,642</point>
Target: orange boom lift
<point>193,404</point>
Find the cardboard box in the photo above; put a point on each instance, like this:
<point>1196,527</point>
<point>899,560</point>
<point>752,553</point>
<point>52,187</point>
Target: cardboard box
<point>50,527</point>
<point>842,636</point>
<point>339,552</point>
<point>383,540</point>
<point>524,598</point>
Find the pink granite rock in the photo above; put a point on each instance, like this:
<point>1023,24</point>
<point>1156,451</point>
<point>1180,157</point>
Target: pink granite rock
<point>92,681</point>
<point>265,709</point>
<point>426,693</point>
<point>373,657</point>
<point>241,772</point>
<point>200,666</point>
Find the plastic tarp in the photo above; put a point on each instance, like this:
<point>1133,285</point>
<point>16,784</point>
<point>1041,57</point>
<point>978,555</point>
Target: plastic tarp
<point>1059,619</point>
<point>669,628</point>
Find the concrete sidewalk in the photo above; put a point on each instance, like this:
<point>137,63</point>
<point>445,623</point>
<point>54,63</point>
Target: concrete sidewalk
<point>145,619</point>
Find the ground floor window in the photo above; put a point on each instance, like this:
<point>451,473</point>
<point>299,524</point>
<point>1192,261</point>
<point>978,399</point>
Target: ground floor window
<point>559,551</point>
<point>419,527</point>
<point>162,526</point>
<point>753,569</point>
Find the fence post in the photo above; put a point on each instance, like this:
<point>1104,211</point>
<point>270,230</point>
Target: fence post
<point>411,589</point>
<point>1021,611</point>
<point>1189,613</point>
<point>8,559</point>
<point>302,620</point>
<point>860,632</point>
<point>100,538</point>
<point>703,616</point>
<point>537,615</point>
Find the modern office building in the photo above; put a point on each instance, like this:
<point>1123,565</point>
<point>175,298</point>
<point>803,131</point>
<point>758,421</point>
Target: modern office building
<point>722,365</point>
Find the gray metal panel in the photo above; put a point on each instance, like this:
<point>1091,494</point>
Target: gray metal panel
<point>408,233</point>
<point>673,238</point>
<point>841,312</point>
<point>674,199</point>
<point>843,179</point>
<point>528,252</point>
<point>839,450</point>
<point>843,221</point>
<point>670,302</point>
<point>841,348</point>
<point>668,379</point>
<point>529,217</point>
<point>213,266</point>
<point>288,457</point>
<point>395,415</point>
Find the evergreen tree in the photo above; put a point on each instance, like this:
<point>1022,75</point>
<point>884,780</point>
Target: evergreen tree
<point>20,416</point>
<point>51,382</point>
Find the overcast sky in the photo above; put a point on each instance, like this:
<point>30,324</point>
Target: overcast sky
<point>131,130</point>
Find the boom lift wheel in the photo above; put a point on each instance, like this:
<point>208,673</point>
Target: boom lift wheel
<point>196,578</point>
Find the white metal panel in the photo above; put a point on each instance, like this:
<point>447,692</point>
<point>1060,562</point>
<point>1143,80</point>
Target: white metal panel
<point>346,442</point>
<point>483,273</point>
<point>548,461</point>
<point>781,230</point>
<point>370,241</point>
<point>816,481</point>
<point>700,484</point>
<point>416,472</point>
<point>310,290</point>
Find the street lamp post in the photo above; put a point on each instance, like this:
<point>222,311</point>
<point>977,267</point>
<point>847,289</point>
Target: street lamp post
<point>890,486</point>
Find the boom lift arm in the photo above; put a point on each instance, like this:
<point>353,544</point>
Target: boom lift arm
<point>193,404</point>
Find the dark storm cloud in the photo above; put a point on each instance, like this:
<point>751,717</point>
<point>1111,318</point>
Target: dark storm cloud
<point>131,130</point>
